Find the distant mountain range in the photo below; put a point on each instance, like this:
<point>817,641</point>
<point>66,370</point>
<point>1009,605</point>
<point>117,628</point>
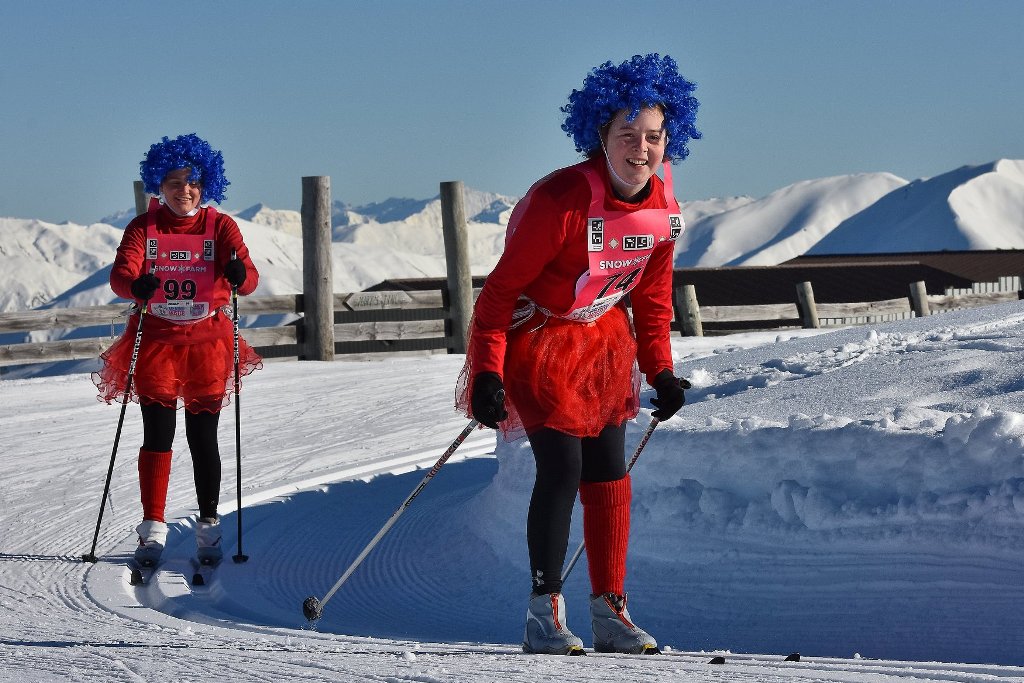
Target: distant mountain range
<point>972,207</point>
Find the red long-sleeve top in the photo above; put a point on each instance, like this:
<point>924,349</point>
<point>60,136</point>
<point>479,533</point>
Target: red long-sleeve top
<point>129,264</point>
<point>546,253</point>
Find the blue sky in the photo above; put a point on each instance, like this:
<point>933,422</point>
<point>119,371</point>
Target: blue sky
<point>392,98</point>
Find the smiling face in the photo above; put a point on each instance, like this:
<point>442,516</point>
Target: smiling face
<point>179,193</point>
<point>634,149</point>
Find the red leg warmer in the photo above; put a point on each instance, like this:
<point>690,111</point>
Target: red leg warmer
<point>154,471</point>
<point>606,532</point>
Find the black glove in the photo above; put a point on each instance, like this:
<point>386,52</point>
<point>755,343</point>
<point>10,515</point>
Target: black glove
<point>488,401</point>
<point>234,271</point>
<point>144,286</point>
<point>670,394</point>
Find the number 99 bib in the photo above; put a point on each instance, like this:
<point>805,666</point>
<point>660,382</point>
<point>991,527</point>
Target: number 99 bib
<point>185,266</point>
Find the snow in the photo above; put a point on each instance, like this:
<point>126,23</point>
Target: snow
<point>41,260</point>
<point>854,495</point>
<point>783,225</point>
<point>939,213</point>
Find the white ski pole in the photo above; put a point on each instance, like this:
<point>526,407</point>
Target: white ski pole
<point>632,461</point>
<point>312,607</point>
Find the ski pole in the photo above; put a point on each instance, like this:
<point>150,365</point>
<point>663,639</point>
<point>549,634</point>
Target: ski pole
<point>312,607</point>
<point>632,461</point>
<point>91,555</point>
<point>239,558</point>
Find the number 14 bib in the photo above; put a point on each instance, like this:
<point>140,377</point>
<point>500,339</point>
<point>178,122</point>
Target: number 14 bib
<point>619,244</point>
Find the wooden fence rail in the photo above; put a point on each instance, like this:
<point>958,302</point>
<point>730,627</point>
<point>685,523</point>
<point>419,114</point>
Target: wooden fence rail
<point>364,322</point>
<point>388,321</point>
<point>805,312</point>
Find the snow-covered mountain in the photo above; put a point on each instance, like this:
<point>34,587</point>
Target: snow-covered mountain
<point>783,225</point>
<point>41,262</point>
<point>405,224</point>
<point>973,207</point>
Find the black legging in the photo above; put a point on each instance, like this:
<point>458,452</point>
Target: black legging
<point>563,461</point>
<point>158,424</point>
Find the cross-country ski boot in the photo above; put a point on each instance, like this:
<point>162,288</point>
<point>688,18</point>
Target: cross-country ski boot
<point>208,550</point>
<point>614,631</point>
<point>152,538</point>
<point>546,630</point>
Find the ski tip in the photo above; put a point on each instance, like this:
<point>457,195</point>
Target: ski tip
<point>312,609</point>
<point>717,660</point>
<point>570,651</point>
<point>136,578</point>
<point>198,579</point>
<point>793,657</point>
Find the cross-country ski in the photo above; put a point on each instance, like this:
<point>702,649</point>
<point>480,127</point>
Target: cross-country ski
<point>203,572</point>
<point>140,574</point>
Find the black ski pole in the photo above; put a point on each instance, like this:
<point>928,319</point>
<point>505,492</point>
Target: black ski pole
<point>239,558</point>
<point>313,607</point>
<point>632,461</point>
<point>91,555</point>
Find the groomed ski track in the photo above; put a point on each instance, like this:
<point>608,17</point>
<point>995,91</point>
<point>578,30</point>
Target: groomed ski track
<point>62,619</point>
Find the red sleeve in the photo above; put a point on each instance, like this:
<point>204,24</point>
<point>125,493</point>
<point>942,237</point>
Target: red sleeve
<point>229,238</point>
<point>538,233</point>
<point>130,256</point>
<point>652,312</point>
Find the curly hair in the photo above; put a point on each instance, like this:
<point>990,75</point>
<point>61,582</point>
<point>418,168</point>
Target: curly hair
<point>185,151</point>
<point>643,81</point>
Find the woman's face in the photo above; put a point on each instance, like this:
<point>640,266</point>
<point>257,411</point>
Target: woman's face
<point>179,194</point>
<point>635,149</point>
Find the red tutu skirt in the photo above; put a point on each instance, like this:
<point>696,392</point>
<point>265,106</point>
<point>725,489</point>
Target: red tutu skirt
<point>577,378</point>
<point>197,376</point>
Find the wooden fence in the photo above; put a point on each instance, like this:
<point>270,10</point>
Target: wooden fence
<point>433,316</point>
<point>418,320</point>
<point>803,311</point>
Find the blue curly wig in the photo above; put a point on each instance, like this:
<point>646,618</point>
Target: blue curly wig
<point>643,81</point>
<point>185,151</point>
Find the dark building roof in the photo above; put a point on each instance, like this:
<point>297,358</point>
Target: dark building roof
<point>840,283</point>
<point>986,265</point>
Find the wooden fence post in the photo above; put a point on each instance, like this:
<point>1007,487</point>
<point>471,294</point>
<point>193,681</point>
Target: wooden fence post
<point>919,299</point>
<point>141,198</point>
<point>805,303</point>
<point>688,311</point>
<point>317,270</point>
<point>460,282</point>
